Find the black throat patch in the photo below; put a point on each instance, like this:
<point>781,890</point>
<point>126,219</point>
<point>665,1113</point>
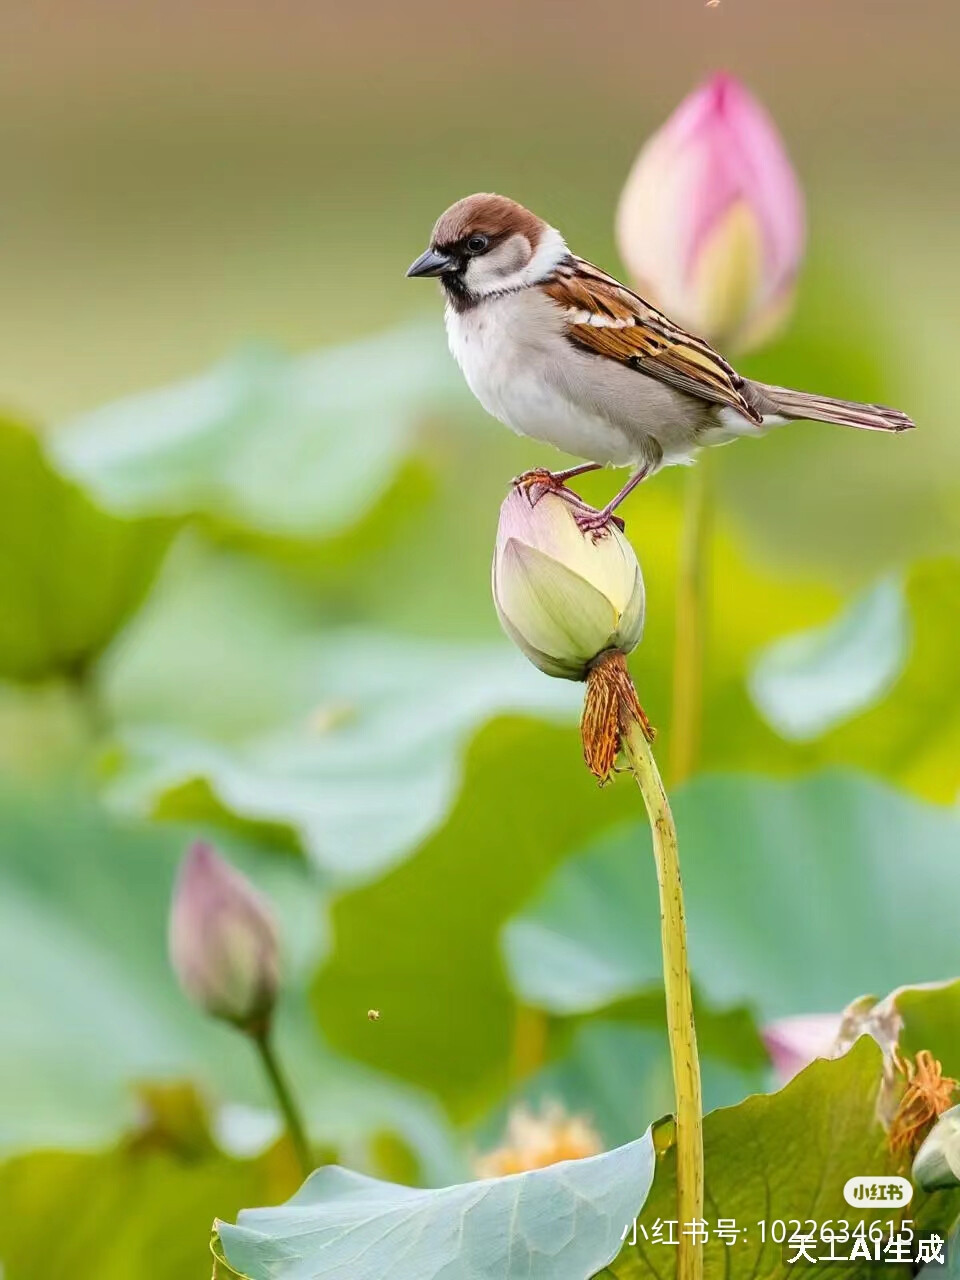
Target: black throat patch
<point>457,293</point>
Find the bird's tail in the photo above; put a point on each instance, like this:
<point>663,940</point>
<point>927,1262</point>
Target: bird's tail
<point>847,413</point>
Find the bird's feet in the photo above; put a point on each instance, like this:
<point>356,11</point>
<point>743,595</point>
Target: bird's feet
<point>536,475</point>
<point>597,522</point>
<point>554,481</point>
<point>539,481</point>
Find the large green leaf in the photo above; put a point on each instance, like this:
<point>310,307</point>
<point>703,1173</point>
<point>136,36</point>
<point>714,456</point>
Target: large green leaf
<point>232,696</point>
<point>787,1156</point>
<point>69,573</point>
<point>558,1223</point>
<point>779,1157</point>
<point>799,895</point>
<point>90,1006</point>
<point>289,446</point>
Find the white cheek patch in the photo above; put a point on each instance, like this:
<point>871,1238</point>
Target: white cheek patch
<point>513,264</point>
<point>551,251</point>
<point>500,268</point>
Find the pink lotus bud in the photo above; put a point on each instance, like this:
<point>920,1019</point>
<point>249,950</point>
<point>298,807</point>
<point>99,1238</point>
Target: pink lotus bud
<point>223,941</point>
<point>711,220</point>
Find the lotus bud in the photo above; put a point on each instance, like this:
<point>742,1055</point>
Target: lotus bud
<point>573,602</point>
<point>563,596</point>
<point>711,220</point>
<point>223,942</point>
<point>937,1163</point>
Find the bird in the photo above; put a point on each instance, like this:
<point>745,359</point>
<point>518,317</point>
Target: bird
<point>563,352</point>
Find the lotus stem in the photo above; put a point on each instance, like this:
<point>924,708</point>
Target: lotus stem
<point>676,980</point>
<point>288,1108</point>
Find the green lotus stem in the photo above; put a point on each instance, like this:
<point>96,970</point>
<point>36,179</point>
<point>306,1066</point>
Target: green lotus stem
<point>281,1091</point>
<point>691,624</point>
<point>676,980</point>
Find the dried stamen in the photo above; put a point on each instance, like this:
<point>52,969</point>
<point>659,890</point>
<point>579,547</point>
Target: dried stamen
<point>610,708</point>
<point>929,1093</point>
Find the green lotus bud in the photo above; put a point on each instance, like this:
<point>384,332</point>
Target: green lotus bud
<point>564,596</point>
<point>223,942</point>
<point>937,1163</point>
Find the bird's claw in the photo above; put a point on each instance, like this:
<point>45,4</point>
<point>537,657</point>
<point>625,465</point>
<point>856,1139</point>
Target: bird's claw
<point>597,522</point>
<point>537,482</point>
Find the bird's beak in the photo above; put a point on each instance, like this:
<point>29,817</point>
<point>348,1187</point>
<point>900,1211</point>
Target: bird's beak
<point>431,263</point>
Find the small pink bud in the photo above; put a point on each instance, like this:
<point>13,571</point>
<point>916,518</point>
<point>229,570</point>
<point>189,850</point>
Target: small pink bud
<point>223,941</point>
<point>711,220</point>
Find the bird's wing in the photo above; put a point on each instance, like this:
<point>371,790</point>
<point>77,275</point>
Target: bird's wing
<point>605,317</point>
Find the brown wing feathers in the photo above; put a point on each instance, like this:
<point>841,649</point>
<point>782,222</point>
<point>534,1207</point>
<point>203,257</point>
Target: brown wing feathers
<point>608,319</point>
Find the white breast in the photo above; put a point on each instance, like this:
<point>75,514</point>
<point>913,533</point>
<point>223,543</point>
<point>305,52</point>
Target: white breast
<point>519,364</point>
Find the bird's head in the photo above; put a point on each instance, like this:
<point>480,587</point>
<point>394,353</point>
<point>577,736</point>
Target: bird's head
<point>486,244</point>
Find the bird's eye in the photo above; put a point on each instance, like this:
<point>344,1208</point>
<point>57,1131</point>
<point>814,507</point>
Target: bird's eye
<point>477,244</point>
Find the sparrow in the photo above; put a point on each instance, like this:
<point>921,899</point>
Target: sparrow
<point>559,350</point>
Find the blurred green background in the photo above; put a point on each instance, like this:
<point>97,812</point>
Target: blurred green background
<point>255,603</point>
